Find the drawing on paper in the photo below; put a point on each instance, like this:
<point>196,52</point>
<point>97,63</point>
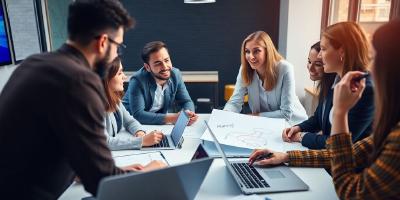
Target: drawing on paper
<point>257,137</point>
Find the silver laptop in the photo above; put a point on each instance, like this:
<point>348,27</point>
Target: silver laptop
<point>175,139</point>
<point>255,179</point>
<point>176,182</point>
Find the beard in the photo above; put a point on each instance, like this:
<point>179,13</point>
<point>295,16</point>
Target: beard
<point>101,66</point>
<point>160,77</point>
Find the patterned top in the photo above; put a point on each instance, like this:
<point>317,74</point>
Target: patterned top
<point>378,180</point>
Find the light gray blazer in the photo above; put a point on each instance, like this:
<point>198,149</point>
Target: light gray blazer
<point>282,100</point>
<point>124,139</point>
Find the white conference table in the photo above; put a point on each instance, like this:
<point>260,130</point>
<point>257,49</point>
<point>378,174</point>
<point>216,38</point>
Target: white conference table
<point>218,183</point>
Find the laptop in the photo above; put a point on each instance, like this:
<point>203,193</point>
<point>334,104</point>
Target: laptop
<point>181,182</point>
<point>200,153</point>
<point>175,139</point>
<point>256,179</point>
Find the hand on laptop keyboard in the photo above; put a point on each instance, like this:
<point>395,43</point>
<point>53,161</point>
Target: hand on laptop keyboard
<point>275,159</point>
<point>152,138</point>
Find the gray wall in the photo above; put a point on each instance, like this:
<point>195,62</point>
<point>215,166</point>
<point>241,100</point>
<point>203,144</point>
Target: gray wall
<point>57,12</point>
<point>200,36</point>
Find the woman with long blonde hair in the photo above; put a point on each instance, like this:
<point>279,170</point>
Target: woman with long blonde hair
<point>268,80</point>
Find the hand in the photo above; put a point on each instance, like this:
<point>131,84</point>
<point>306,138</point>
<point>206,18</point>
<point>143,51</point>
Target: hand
<point>134,167</point>
<point>155,164</point>
<point>140,134</point>
<point>152,138</point>
<point>277,157</point>
<point>77,179</point>
<point>171,118</point>
<point>254,114</point>
<point>192,117</point>
<point>291,134</point>
<point>347,92</point>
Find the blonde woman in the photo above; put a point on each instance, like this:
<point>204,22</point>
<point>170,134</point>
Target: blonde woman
<point>268,80</point>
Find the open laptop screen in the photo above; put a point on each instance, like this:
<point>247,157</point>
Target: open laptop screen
<point>224,158</point>
<point>180,125</point>
<point>200,153</point>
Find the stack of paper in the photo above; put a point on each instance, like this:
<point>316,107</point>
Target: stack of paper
<point>138,158</point>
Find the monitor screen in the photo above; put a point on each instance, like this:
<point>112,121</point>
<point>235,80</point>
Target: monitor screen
<point>5,55</point>
<point>24,28</point>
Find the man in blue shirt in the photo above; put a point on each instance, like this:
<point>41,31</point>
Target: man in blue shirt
<point>155,87</point>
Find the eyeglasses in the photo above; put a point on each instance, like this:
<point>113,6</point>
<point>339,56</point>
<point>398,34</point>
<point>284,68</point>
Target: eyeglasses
<point>120,46</point>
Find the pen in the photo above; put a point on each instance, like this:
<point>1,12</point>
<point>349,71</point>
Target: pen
<point>364,75</point>
<point>264,156</point>
<point>162,155</point>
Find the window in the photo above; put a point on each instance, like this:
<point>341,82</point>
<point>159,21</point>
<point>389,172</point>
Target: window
<point>370,14</point>
<point>374,11</point>
<point>339,11</point>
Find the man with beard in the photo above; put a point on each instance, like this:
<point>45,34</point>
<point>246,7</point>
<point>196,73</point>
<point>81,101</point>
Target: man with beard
<point>155,87</point>
<point>53,106</point>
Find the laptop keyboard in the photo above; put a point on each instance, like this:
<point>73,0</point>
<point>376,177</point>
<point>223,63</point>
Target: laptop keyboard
<point>163,143</point>
<point>249,175</point>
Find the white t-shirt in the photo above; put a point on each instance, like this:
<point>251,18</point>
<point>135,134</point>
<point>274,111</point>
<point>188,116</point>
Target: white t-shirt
<point>158,101</point>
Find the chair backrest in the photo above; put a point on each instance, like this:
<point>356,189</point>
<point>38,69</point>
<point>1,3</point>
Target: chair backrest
<point>229,91</point>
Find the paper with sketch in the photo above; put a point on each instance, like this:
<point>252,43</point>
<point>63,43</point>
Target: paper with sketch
<point>138,158</point>
<point>248,131</point>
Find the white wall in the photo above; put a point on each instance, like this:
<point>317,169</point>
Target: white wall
<point>299,28</point>
<point>5,73</point>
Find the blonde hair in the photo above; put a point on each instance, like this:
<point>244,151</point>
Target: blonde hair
<point>272,57</point>
<point>352,39</point>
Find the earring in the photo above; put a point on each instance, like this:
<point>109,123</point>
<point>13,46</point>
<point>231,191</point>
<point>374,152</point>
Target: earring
<point>341,59</point>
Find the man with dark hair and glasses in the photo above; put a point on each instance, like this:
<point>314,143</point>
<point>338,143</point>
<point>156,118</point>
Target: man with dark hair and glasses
<point>53,106</point>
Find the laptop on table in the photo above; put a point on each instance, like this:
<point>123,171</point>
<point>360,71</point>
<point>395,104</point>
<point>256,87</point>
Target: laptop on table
<point>175,139</point>
<point>256,179</point>
<point>181,182</point>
